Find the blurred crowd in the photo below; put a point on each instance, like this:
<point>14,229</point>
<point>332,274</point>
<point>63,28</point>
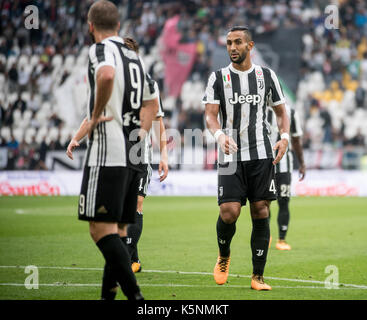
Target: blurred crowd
<point>331,95</point>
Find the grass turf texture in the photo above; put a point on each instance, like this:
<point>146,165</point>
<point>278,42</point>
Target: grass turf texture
<point>179,235</point>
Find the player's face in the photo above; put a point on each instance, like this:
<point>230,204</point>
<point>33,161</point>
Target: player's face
<point>238,46</point>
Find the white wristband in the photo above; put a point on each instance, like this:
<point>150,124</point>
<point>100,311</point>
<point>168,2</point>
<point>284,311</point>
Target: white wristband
<point>217,134</point>
<point>285,136</point>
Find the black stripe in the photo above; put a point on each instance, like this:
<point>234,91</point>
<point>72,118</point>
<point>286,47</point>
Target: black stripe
<point>270,116</point>
<point>99,149</point>
<point>91,104</point>
<point>100,52</point>
<point>266,133</point>
<point>161,104</point>
<point>219,95</point>
<point>236,88</point>
<point>252,84</point>
<point>150,83</point>
<point>288,161</point>
<point>274,92</point>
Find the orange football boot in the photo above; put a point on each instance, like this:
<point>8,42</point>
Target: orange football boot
<point>257,283</point>
<point>221,270</point>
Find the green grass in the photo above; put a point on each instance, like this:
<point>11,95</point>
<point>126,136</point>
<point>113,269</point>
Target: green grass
<point>179,235</point>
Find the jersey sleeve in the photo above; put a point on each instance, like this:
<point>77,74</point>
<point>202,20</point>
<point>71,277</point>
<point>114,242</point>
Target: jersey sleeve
<point>149,90</point>
<point>211,91</point>
<point>296,128</point>
<point>101,55</point>
<point>277,96</point>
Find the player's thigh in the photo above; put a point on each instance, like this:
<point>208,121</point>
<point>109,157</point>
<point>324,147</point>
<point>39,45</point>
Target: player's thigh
<point>260,177</point>
<point>99,229</point>
<point>232,187</point>
<point>283,184</point>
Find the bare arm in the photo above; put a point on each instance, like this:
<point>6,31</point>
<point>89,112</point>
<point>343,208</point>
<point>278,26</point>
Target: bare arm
<point>225,142</point>
<point>163,164</point>
<point>297,147</point>
<point>147,115</point>
<point>105,78</point>
<point>81,133</point>
<point>283,126</point>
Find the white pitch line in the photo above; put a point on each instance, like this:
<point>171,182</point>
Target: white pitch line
<point>357,286</point>
<point>167,285</point>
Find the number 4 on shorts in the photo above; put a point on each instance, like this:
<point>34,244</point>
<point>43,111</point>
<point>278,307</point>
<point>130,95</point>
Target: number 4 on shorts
<point>272,186</point>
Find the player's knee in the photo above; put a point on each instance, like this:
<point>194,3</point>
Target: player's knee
<point>229,213</point>
<point>260,210</point>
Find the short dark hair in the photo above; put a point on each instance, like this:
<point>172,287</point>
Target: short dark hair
<point>104,15</point>
<point>245,29</point>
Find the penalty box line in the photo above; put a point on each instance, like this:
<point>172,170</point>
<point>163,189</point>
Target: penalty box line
<point>357,286</point>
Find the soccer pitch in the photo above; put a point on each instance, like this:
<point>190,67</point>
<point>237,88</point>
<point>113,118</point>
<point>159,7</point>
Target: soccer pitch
<point>178,250</point>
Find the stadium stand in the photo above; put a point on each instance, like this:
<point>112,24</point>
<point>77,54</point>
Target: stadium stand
<point>36,65</point>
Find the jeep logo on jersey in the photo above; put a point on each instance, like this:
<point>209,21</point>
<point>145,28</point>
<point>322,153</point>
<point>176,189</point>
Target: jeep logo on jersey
<point>248,98</point>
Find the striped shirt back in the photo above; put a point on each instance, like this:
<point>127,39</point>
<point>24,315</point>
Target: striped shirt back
<point>110,142</point>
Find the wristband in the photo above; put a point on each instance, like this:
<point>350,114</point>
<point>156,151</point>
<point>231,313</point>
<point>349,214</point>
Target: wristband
<point>285,136</point>
<point>217,134</point>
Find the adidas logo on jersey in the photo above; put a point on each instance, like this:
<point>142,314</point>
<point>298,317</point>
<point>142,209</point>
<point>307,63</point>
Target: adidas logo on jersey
<point>248,98</point>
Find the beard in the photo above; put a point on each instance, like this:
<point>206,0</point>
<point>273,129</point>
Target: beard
<point>240,58</point>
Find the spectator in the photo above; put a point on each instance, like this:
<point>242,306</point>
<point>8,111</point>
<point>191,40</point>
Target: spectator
<point>13,78</point>
<point>20,104</point>
<point>44,84</point>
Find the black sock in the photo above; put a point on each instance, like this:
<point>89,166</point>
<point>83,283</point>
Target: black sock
<point>118,261</point>
<point>134,231</point>
<point>225,233</point>
<point>283,217</point>
<point>259,244</point>
<point>108,283</point>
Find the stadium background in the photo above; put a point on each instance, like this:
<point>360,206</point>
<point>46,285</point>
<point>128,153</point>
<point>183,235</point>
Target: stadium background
<point>323,72</point>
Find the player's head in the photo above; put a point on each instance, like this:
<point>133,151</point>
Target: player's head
<point>239,43</point>
<point>103,17</point>
<point>132,44</point>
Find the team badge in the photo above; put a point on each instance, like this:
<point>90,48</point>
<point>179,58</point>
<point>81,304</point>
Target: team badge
<point>260,83</point>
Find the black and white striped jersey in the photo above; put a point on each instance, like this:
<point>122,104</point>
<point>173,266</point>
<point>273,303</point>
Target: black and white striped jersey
<point>242,97</point>
<point>286,163</point>
<point>148,148</point>
<point>110,142</point>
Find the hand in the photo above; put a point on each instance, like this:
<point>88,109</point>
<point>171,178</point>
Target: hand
<point>227,144</point>
<point>72,145</point>
<point>302,171</point>
<point>92,123</point>
<point>281,146</point>
<point>163,168</point>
